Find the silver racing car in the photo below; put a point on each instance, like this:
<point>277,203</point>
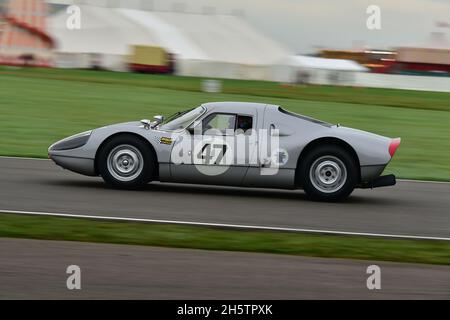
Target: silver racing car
<point>235,144</point>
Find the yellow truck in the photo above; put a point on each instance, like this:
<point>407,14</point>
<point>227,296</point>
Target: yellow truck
<point>151,59</point>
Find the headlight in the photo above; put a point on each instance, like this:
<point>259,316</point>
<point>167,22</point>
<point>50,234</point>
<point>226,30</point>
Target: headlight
<point>72,142</point>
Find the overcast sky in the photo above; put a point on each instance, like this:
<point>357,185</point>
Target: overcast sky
<point>303,25</point>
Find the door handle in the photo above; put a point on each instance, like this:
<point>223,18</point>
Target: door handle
<point>272,129</point>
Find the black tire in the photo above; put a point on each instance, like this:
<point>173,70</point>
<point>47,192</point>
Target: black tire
<point>140,158</point>
<point>328,162</point>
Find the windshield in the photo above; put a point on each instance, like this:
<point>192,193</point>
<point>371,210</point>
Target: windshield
<point>181,120</point>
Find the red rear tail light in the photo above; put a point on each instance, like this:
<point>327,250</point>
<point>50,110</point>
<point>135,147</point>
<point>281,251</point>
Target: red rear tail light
<point>395,143</point>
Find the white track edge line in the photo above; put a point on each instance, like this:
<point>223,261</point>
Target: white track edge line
<point>24,158</point>
<point>224,225</point>
<point>423,181</point>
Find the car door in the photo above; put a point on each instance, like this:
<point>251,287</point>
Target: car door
<point>215,152</point>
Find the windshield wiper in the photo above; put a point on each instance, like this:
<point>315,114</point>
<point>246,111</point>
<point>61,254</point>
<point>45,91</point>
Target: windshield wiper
<point>176,115</point>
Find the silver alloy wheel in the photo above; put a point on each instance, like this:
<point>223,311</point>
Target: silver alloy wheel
<point>328,174</point>
<point>125,163</point>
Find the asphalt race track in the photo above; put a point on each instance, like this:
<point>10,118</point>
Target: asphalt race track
<point>32,269</point>
<point>410,208</point>
<point>139,272</point>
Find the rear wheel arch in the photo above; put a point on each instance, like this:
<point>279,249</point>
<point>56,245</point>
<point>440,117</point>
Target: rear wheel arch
<point>321,142</point>
<point>131,135</point>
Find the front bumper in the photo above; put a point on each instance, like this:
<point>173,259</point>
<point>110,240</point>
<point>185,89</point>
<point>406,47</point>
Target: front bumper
<point>79,165</point>
<point>71,154</point>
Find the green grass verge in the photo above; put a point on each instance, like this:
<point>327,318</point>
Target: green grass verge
<point>163,235</point>
<point>40,106</point>
<point>385,97</point>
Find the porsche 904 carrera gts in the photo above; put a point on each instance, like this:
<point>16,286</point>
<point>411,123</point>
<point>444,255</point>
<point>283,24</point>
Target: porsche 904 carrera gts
<point>234,144</point>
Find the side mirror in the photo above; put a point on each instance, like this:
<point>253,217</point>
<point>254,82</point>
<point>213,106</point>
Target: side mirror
<point>158,119</point>
<point>146,123</point>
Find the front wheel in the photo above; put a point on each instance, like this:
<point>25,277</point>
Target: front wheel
<point>126,162</point>
<point>328,173</point>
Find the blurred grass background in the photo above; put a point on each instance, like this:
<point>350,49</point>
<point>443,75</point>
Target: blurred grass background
<point>41,106</point>
<point>206,238</point>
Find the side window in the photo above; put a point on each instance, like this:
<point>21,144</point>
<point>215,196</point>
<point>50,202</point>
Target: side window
<point>244,123</point>
<point>220,122</point>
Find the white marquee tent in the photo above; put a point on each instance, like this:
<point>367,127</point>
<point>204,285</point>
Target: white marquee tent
<point>295,69</point>
<point>204,45</point>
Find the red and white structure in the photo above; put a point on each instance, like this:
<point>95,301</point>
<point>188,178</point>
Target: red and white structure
<point>23,36</point>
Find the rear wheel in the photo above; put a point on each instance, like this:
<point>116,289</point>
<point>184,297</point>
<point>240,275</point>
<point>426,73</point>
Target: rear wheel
<point>328,173</point>
<point>126,162</point>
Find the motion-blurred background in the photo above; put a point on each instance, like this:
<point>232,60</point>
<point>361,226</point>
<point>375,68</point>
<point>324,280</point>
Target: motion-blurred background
<point>236,40</point>
<point>321,58</point>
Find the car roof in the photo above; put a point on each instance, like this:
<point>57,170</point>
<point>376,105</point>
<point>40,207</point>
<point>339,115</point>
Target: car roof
<point>235,104</point>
